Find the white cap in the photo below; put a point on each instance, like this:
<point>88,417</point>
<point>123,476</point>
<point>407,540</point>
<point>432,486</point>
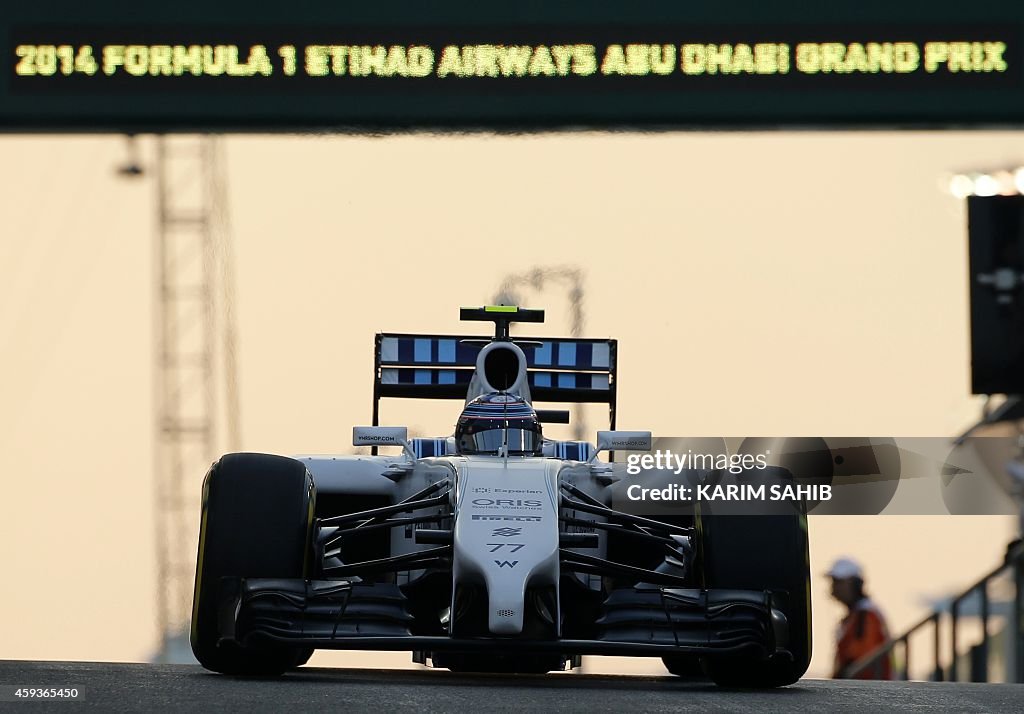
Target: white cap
<point>845,568</point>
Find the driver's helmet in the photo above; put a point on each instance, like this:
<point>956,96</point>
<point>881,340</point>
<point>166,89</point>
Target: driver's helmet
<point>493,420</point>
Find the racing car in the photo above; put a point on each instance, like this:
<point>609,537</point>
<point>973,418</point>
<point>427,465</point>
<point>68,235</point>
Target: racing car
<point>493,548</point>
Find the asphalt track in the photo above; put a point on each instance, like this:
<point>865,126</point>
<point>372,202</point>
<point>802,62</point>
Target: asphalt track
<point>144,687</point>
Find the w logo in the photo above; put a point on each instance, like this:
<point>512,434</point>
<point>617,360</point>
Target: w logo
<point>506,563</point>
<point>506,532</point>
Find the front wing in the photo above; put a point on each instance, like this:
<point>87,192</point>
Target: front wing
<point>661,621</point>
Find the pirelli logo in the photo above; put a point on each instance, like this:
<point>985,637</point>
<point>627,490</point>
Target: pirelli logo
<point>506,518</point>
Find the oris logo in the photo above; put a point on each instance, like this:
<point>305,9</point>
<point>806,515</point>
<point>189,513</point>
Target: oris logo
<point>520,502</point>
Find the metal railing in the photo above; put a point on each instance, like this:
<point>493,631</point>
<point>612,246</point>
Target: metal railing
<point>1014,562</point>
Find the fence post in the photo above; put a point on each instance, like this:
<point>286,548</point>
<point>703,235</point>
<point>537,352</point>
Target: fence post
<point>983,645</point>
<point>906,658</point>
<point>1017,626</point>
<point>954,607</point>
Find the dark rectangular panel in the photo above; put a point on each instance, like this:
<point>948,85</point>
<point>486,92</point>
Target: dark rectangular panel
<point>259,66</point>
<point>996,227</point>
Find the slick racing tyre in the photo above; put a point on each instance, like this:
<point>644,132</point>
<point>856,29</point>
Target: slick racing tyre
<point>256,521</point>
<point>767,551</point>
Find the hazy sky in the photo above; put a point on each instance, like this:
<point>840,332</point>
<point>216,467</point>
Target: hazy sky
<point>759,284</point>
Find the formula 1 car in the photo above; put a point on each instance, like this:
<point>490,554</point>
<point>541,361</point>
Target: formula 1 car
<point>493,549</point>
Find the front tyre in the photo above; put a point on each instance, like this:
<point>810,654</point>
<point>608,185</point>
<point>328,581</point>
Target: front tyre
<point>257,518</point>
<point>760,552</point>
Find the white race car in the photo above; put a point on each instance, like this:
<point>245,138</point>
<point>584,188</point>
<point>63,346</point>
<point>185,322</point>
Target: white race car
<point>493,549</point>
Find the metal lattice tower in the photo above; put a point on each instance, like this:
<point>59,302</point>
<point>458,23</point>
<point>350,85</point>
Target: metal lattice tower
<point>194,325</point>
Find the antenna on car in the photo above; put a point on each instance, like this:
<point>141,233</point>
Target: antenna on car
<point>502,316</point>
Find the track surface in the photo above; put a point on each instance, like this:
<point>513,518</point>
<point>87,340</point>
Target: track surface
<point>134,687</point>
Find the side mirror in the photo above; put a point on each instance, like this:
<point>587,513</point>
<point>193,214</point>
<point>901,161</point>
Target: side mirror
<point>623,441</point>
<point>382,436</point>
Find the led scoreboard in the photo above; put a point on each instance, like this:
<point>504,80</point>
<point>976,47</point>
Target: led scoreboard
<point>456,64</point>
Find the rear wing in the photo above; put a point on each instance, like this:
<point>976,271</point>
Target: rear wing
<point>568,370</point>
